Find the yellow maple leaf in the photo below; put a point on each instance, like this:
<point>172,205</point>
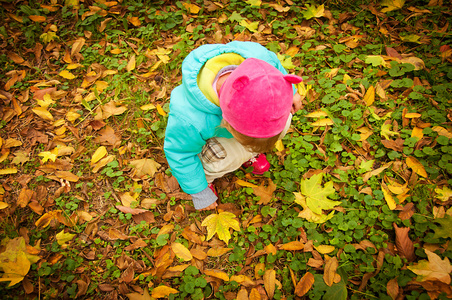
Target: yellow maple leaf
<point>144,167</point>
<point>46,101</point>
<point>308,214</point>
<point>220,224</point>
<point>46,155</point>
<point>314,12</point>
<point>15,260</point>
<point>387,132</point>
<point>392,5</point>
<point>63,237</point>
<point>443,193</point>
<point>433,269</point>
<point>251,26</point>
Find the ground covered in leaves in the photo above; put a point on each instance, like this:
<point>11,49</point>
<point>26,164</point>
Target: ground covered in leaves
<point>357,203</point>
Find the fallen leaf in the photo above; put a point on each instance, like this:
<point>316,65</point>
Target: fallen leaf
<point>403,242</point>
<point>388,197</point>
<point>304,285</point>
<point>369,97</point>
<point>98,154</point>
<point>220,224</point>
<point>66,74</point>
<point>63,237</point>
<point>313,12</point>
<point>329,275</point>
<point>181,251</point>
<point>265,192</point>
<point>434,268</point>
<point>163,291</point>
<point>322,122</point>
<point>145,166</point>
<point>217,274</point>
<point>316,195</point>
<point>292,246</point>
<point>392,5</point>
<point>416,166</point>
<point>269,282</point>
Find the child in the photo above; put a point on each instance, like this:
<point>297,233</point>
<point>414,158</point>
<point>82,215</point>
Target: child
<point>234,103</point>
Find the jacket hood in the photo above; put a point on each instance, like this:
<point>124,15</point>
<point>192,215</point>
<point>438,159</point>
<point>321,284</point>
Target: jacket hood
<point>193,63</point>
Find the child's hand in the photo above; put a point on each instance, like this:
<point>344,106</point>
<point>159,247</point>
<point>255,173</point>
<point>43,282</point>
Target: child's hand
<point>296,105</point>
<point>211,206</point>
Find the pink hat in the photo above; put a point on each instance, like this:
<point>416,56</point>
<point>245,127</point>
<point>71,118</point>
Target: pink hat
<point>256,98</point>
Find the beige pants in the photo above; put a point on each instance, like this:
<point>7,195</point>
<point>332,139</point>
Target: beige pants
<point>221,155</point>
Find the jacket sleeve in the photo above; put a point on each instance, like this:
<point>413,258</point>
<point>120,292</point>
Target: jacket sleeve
<point>183,142</point>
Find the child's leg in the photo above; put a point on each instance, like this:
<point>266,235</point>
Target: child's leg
<point>221,156</point>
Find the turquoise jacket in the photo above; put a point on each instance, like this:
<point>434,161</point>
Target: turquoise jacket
<point>193,119</point>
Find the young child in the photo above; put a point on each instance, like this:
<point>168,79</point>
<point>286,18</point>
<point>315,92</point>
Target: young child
<point>234,103</point>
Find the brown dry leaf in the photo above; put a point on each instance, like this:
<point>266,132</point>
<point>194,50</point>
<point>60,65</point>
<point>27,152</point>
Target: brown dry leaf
<point>304,285</point>
<point>407,212</point>
<point>138,214</point>
<point>403,242</point>
<point>269,282</point>
<point>392,287</point>
<point>111,109</point>
<point>128,275</point>
<point>292,246</point>
<point>115,234</point>
<point>77,46</point>
<point>217,274</point>
<point>25,196</point>
<point>265,192</point>
<point>198,253</point>
<point>329,275</point>
<point>108,137</point>
<point>136,245</point>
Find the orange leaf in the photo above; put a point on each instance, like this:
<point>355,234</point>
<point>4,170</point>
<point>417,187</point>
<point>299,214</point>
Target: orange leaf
<point>269,282</point>
<point>329,276</point>
<point>37,19</point>
<point>304,285</point>
<point>254,294</point>
<point>292,246</point>
<point>163,291</point>
<point>416,166</point>
<point>217,274</point>
<point>369,97</point>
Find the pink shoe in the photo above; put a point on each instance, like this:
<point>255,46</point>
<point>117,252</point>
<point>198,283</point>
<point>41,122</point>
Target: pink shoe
<point>212,187</point>
<point>259,163</point>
